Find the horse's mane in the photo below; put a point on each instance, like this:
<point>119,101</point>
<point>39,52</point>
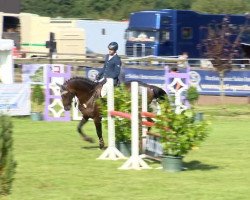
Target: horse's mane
<point>82,79</point>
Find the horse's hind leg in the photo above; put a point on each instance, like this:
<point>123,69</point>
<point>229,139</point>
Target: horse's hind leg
<point>98,126</point>
<point>81,132</point>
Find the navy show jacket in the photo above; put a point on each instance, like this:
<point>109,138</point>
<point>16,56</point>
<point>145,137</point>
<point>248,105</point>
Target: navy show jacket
<point>111,68</point>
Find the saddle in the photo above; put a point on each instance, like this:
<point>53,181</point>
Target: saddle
<point>101,89</point>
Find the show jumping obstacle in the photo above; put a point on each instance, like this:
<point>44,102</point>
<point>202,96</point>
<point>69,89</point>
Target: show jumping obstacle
<point>53,95</point>
<point>112,153</point>
<point>176,84</point>
<point>135,161</point>
<point>150,142</point>
<point>151,146</point>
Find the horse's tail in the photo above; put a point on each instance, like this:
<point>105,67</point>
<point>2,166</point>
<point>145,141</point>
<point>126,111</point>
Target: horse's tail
<point>159,93</point>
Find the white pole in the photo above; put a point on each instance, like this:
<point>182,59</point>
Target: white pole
<point>135,161</point>
<point>144,96</point>
<point>134,119</point>
<point>111,153</point>
<point>111,121</point>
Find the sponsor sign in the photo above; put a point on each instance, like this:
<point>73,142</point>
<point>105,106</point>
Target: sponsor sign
<point>236,82</point>
<point>15,99</point>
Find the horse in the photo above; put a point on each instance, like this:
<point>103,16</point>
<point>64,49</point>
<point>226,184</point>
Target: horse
<point>87,92</point>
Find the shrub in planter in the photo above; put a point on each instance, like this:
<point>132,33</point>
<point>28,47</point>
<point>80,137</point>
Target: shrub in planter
<point>7,163</point>
<point>37,100</point>
<point>180,133</point>
<point>192,97</point>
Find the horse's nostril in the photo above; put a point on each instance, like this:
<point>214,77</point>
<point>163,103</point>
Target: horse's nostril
<point>67,108</point>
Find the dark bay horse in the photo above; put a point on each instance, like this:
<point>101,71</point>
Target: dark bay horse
<point>87,91</point>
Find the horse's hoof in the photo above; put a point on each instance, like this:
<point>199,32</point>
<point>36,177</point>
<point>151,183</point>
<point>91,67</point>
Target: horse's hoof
<point>101,143</point>
<point>101,146</point>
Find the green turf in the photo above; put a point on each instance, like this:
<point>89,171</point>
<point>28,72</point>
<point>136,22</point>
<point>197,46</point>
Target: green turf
<point>55,164</point>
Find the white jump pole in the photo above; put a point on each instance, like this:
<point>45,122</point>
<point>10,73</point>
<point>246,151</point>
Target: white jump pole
<point>111,153</point>
<point>135,161</point>
<point>144,103</point>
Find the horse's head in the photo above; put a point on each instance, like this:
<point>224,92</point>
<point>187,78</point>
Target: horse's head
<point>67,97</point>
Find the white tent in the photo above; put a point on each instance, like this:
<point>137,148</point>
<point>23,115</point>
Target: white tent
<point>6,61</point>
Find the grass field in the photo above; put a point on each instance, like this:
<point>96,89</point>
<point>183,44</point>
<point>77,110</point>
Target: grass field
<point>54,164</point>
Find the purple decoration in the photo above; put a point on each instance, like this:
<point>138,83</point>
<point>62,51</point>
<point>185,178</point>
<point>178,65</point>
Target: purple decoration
<point>169,76</point>
<point>50,98</point>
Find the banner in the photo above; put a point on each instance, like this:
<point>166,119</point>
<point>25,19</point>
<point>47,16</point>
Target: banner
<point>15,99</point>
<point>154,77</point>
<point>236,83</point>
<point>37,73</point>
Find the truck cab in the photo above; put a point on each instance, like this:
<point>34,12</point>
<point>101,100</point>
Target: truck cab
<point>149,32</point>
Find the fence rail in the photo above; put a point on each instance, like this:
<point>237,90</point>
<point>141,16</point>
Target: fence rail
<point>96,60</point>
<point>148,62</point>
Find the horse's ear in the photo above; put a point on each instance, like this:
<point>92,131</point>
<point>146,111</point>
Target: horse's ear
<point>61,86</point>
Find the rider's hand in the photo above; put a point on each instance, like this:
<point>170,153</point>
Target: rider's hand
<point>97,77</point>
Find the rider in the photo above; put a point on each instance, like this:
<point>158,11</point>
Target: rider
<point>112,65</point>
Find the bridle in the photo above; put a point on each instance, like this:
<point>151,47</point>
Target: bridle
<point>68,92</point>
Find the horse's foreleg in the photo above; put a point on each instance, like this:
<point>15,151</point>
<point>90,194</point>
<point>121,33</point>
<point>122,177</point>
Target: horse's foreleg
<point>81,132</point>
<point>98,126</point>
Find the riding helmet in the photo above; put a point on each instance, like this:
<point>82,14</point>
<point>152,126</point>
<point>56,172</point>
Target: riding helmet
<point>113,46</point>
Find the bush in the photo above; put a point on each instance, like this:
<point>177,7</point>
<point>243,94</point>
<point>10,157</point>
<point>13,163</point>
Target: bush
<point>192,95</point>
<point>7,163</point>
<point>180,133</point>
<point>37,98</point>
<point>122,103</point>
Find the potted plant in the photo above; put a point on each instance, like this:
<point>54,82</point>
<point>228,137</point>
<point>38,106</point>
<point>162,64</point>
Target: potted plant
<point>179,133</point>
<point>37,100</point>
<point>192,97</point>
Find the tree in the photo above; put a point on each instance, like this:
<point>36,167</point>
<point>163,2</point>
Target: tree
<point>170,4</point>
<point>116,9</point>
<point>7,163</point>
<point>51,8</point>
<point>223,7</point>
<point>222,45</point>
<point>96,9</point>
<point>120,9</point>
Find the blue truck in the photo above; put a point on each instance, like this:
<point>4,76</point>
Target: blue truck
<point>171,32</point>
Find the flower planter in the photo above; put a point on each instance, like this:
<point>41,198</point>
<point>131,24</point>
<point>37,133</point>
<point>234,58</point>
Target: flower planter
<point>124,148</point>
<point>36,116</point>
<point>198,116</point>
<point>172,163</point>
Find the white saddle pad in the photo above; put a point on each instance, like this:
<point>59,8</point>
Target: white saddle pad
<point>104,90</point>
